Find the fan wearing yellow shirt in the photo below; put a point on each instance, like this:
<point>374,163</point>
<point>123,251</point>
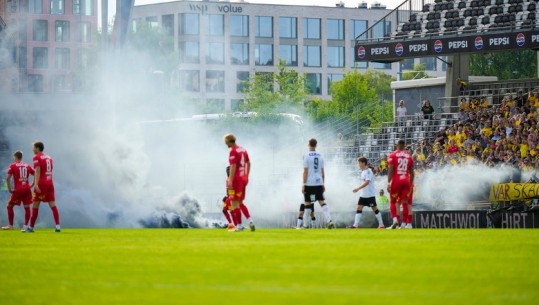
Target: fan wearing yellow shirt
<point>487,131</point>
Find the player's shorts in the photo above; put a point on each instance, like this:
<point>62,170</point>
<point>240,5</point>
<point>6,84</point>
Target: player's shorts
<point>237,193</point>
<point>400,190</point>
<point>227,205</point>
<point>23,196</point>
<point>314,193</point>
<point>367,202</point>
<point>46,193</point>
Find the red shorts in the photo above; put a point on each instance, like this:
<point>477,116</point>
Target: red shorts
<point>400,190</point>
<point>21,195</point>
<point>226,205</point>
<point>46,193</point>
<point>237,193</point>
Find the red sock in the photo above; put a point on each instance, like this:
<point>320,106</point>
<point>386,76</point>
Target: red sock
<point>227,215</point>
<point>10,215</point>
<point>237,216</point>
<point>245,211</point>
<point>27,214</point>
<point>410,218</point>
<point>33,218</point>
<point>56,215</point>
<point>405,213</point>
<point>393,210</point>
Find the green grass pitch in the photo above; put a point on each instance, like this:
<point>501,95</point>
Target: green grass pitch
<point>269,266</point>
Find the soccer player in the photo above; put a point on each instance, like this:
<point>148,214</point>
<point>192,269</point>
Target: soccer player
<point>407,213</point>
<point>300,225</point>
<point>313,181</point>
<point>238,178</point>
<point>43,186</point>
<point>367,194</point>
<point>20,172</point>
<point>400,180</point>
<point>243,208</point>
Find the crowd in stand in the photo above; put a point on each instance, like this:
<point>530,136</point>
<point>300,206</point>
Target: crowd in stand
<point>505,134</point>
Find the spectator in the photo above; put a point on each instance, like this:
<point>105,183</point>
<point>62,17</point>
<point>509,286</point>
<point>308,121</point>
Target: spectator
<point>401,112</point>
<point>383,165</point>
<point>427,110</point>
<point>382,201</point>
<point>463,105</point>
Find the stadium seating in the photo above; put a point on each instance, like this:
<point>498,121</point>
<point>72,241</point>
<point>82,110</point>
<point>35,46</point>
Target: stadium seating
<point>451,17</point>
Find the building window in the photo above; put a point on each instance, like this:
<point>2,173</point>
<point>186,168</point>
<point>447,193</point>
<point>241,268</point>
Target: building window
<point>236,104</point>
<point>40,58</point>
<point>62,30</point>
<point>239,53</point>
<point>59,83</point>
<point>62,58</point>
<point>263,26</point>
<point>264,55</point>
<point>190,80</point>
<point>381,29</point>
<point>239,25</point>
<point>23,29</point>
<point>242,79</point>
<point>288,27</point>
<point>12,6</point>
<point>57,7</point>
<point>214,105</point>
<point>83,58</point>
<point>444,63</point>
<point>22,57</point>
<point>188,24</point>
<point>189,52</point>
<point>40,30</point>
<point>311,28</point>
<point>289,53</point>
<point>215,25</point>
<point>215,53</point>
<point>152,22</point>
<point>408,64</point>
<point>313,83</point>
<point>335,57</point>
<point>359,27</point>
<point>311,56</point>
<point>335,29</point>
<point>167,24</point>
<point>378,65</point>
<point>35,83</point>
<point>83,7</point>
<point>85,32</point>
<point>429,62</point>
<point>357,64</point>
<point>333,78</point>
<point>215,81</point>
<point>35,6</point>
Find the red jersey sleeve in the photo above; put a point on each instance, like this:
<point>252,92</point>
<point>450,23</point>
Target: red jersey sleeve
<point>10,170</point>
<point>234,157</point>
<point>36,162</point>
<point>31,171</point>
<point>391,160</point>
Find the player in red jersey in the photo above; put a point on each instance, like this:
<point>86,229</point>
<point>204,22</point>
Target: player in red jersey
<point>22,192</point>
<point>400,179</point>
<point>240,167</point>
<point>227,207</point>
<point>43,186</point>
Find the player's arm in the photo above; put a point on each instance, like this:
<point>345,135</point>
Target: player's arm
<point>232,173</point>
<point>247,169</point>
<point>8,183</point>
<point>362,186</point>
<point>323,172</point>
<point>37,175</point>
<point>33,173</point>
<point>305,174</point>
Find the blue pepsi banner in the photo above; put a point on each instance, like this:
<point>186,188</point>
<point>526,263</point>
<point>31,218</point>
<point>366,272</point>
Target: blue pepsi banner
<point>439,46</point>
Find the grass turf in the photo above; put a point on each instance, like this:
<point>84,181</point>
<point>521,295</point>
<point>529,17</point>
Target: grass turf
<point>154,266</point>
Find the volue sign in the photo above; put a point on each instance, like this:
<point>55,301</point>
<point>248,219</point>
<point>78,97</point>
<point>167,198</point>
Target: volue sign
<point>228,8</point>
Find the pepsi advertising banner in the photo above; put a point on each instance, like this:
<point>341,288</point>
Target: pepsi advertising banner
<point>395,51</point>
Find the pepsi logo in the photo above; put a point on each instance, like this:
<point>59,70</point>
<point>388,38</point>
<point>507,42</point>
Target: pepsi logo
<point>361,52</point>
<point>521,39</point>
<point>438,46</point>
<point>478,42</point>
<point>399,49</point>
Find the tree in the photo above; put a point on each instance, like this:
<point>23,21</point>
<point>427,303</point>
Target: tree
<point>505,65</point>
<point>417,73</point>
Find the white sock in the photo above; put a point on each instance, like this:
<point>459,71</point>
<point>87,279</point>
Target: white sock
<point>325,208</point>
<point>357,219</point>
<point>57,226</point>
<point>379,217</point>
<point>395,220</point>
<point>300,222</point>
<point>248,220</point>
<point>308,213</point>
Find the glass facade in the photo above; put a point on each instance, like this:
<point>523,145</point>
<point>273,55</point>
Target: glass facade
<point>263,26</point>
<point>429,62</point>
<point>313,83</point>
<point>311,56</point>
<point>35,83</point>
<point>62,30</point>
<point>335,57</point>
<point>83,7</point>
<point>242,77</point>
<point>189,80</point>
<point>407,64</point>
<point>35,6</point>
<point>189,52</point>
<point>57,7</point>
<point>40,58</point>
<point>239,25</point>
<point>62,58</point>
<point>239,53</point>
<point>333,78</point>
<point>359,27</point>
<point>289,53</point>
<point>288,27</point>
<point>85,32</point>
<point>188,24</point>
<point>264,55</point>
<point>40,30</point>
<point>167,23</point>
<point>215,25</point>
<point>335,29</point>
<point>215,81</point>
<point>311,28</point>
<point>236,104</point>
<point>215,53</point>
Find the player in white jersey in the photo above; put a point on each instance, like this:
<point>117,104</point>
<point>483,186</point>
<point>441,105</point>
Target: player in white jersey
<point>313,182</point>
<point>367,194</point>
